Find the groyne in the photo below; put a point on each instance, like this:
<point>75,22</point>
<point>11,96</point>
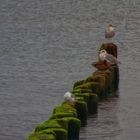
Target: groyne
<point>67,118</point>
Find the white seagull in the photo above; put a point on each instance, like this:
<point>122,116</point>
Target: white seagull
<point>109,32</point>
<point>103,55</point>
<point>68,97</point>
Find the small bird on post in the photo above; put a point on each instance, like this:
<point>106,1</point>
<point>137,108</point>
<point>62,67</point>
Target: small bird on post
<point>103,55</point>
<point>110,32</point>
<point>69,98</point>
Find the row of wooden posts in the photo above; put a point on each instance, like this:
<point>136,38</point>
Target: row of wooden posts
<point>66,120</point>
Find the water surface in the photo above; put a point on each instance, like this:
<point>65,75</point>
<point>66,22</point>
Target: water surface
<point>46,45</point>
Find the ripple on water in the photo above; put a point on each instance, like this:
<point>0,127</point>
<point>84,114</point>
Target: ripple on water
<point>104,125</point>
<point>46,45</point>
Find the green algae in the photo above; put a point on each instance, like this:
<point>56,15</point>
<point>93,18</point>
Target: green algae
<point>82,111</point>
<point>62,114</point>
<point>47,124</point>
<point>97,78</point>
<point>116,75</point>
<point>93,103</point>
<point>78,83</point>
<point>85,97</point>
<point>66,120</point>
<point>65,108</point>
<point>80,90</point>
<point>108,82</point>
<point>91,99</point>
<point>94,86</point>
<point>42,135</point>
<point>53,125</point>
<point>61,134</point>
<point>72,125</point>
<point>102,84</point>
<point>79,98</point>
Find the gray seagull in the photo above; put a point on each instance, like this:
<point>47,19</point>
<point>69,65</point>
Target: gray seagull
<point>110,32</point>
<point>103,55</point>
<point>68,97</point>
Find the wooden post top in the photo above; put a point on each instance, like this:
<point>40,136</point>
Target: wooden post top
<point>111,48</point>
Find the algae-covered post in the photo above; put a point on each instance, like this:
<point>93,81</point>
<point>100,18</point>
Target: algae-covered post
<point>66,118</point>
<point>111,48</point>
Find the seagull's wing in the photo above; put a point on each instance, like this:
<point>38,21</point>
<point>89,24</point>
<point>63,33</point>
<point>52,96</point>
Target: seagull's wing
<point>111,58</point>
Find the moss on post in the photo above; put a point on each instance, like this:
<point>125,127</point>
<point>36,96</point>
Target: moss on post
<point>61,134</point>
<point>91,99</point>
<point>61,115</point>
<point>78,98</point>
<point>53,125</point>
<point>85,97</point>
<point>108,81</point>
<point>94,86</point>
<point>82,111</point>
<point>79,90</point>
<point>65,108</point>
<point>116,69</point>
<point>78,83</point>
<point>112,80</point>
<point>66,119</point>
<point>93,103</point>
<point>47,124</point>
<point>42,135</point>
<point>102,83</point>
<point>73,126</point>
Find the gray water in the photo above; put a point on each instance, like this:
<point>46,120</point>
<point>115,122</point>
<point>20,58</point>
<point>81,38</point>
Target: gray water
<point>46,45</point>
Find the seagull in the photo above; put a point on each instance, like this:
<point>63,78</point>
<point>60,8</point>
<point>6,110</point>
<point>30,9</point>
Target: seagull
<point>68,97</point>
<point>104,56</point>
<point>109,32</point>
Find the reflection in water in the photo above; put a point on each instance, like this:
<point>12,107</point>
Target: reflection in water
<point>105,124</point>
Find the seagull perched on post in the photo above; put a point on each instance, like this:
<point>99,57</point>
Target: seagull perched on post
<point>109,32</point>
<point>68,97</point>
<point>104,56</point>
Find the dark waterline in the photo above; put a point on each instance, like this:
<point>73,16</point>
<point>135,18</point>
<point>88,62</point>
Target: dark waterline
<point>47,45</point>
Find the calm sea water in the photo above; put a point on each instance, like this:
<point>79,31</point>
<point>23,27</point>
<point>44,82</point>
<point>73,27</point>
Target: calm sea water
<point>46,45</point>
